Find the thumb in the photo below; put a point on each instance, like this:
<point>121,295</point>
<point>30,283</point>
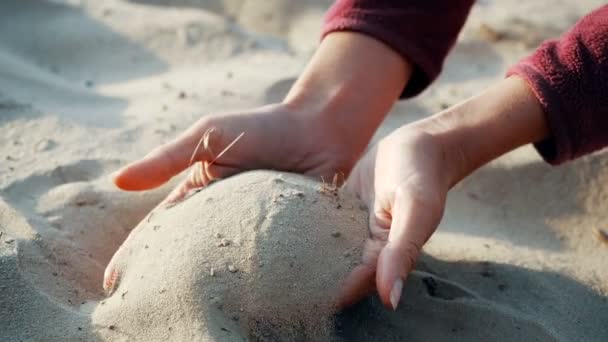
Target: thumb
<point>166,161</point>
<point>414,218</point>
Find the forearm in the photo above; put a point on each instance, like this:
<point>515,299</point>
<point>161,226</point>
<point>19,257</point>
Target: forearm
<point>422,31</point>
<point>349,86</point>
<point>486,126</point>
<point>555,98</point>
<point>568,77</point>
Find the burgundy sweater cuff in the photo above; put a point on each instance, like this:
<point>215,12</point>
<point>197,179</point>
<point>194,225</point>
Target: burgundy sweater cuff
<point>568,78</point>
<point>422,31</point>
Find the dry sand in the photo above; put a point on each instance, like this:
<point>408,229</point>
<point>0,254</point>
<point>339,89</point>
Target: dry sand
<point>260,255</point>
<point>86,86</point>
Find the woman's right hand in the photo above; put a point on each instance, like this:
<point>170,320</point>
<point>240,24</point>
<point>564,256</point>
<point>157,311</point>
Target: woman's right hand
<point>404,182</point>
<point>405,178</point>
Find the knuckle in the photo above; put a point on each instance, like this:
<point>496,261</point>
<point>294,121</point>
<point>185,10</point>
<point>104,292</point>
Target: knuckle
<point>202,125</point>
<point>210,130</point>
<point>371,251</point>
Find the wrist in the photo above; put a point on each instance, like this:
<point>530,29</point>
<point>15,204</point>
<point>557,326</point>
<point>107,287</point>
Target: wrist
<point>348,88</point>
<point>484,127</point>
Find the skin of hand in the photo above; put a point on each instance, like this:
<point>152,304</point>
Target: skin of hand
<point>320,129</point>
<point>310,132</point>
<point>405,178</point>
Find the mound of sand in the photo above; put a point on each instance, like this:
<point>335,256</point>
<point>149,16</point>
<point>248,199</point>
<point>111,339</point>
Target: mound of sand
<point>261,255</point>
<point>51,220</point>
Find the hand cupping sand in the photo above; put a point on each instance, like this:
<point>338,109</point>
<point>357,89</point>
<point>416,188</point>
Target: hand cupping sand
<point>261,255</point>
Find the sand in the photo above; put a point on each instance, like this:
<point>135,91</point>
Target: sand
<point>86,86</point>
<point>261,255</point>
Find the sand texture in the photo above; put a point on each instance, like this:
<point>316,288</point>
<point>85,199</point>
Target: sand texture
<point>87,86</point>
<point>260,255</point>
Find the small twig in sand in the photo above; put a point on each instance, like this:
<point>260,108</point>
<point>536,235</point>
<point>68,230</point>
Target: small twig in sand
<point>199,167</point>
<point>227,148</point>
<point>332,189</point>
<point>197,178</point>
<point>204,141</point>
<point>223,243</point>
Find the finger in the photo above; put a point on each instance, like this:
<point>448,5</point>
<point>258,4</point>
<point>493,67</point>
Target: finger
<point>361,281</point>
<point>197,178</point>
<point>218,171</point>
<point>360,181</point>
<point>201,175</point>
<point>166,161</point>
<point>114,270</point>
<point>179,193</point>
<point>413,221</point>
<point>357,285</point>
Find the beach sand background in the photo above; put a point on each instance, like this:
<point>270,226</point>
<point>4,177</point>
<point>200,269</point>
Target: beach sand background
<point>87,86</point>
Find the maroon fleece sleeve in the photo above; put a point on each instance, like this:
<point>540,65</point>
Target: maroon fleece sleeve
<point>423,31</point>
<point>570,79</point>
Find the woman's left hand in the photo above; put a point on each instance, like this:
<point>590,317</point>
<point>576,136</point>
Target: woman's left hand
<point>403,181</point>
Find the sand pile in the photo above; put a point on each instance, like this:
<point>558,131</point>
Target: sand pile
<point>260,255</point>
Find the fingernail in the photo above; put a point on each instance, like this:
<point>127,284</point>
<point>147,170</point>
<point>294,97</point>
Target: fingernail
<point>396,293</point>
<point>110,280</point>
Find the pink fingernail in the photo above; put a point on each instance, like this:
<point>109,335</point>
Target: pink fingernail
<point>110,281</point>
<point>395,294</point>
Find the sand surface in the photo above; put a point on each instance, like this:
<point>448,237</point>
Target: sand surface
<point>261,255</point>
<point>86,86</point>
